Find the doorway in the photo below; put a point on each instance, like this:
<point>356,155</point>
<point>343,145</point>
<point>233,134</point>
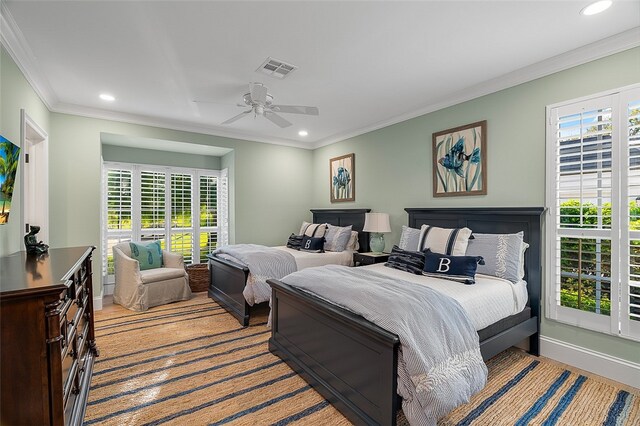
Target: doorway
<point>35,176</point>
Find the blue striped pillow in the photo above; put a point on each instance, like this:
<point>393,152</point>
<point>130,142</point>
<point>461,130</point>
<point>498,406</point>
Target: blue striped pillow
<point>451,241</point>
<point>406,260</point>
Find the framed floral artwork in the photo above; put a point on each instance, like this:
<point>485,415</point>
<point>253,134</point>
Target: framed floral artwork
<point>342,178</point>
<point>460,161</point>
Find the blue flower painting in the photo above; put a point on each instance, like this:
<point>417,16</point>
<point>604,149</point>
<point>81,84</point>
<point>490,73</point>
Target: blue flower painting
<point>459,161</point>
<point>9,159</point>
<point>342,178</point>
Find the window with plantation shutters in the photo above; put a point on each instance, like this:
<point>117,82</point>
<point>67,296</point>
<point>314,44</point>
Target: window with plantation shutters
<point>117,216</point>
<point>181,235</point>
<point>179,207</point>
<point>208,208</point>
<point>593,197</point>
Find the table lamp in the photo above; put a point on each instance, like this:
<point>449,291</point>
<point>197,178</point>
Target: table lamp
<point>376,224</point>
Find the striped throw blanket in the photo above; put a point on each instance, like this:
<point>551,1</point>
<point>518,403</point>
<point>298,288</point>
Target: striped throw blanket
<point>263,262</point>
<point>439,364</point>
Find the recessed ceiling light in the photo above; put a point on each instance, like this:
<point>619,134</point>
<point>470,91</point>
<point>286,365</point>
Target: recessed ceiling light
<point>596,7</point>
<point>303,133</point>
<point>107,97</point>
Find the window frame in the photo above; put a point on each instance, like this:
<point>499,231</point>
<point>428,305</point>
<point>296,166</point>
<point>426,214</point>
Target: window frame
<point>619,232</point>
<point>137,230</point>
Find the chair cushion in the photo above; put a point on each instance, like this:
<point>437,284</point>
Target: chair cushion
<point>160,274</point>
<point>149,255</point>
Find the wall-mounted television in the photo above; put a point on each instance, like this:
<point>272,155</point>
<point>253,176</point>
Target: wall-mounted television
<point>9,160</point>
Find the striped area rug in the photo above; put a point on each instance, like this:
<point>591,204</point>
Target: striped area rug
<point>190,363</point>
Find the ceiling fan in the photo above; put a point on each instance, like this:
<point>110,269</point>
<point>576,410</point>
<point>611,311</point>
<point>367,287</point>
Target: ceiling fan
<point>260,103</point>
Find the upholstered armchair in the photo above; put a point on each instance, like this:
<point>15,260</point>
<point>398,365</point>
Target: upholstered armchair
<point>140,290</point>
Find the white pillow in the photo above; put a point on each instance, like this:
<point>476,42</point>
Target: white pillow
<point>353,244</point>
<point>337,238</point>
<point>315,230</point>
<point>409,239</point>
<point>450,241</point>
<point>525,246</point>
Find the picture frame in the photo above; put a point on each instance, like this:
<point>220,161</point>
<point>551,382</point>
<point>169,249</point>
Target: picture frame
<point>9,160</point>
<point>342,178</point>
<point>460,160</point>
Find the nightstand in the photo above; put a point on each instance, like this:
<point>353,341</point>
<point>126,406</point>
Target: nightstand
<point>362,259</point>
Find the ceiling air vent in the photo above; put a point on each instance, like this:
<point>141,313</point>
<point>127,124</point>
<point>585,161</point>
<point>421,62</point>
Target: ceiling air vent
<point>276,68</point>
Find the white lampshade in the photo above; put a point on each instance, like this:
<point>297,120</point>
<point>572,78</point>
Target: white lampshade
<point>376,222</point>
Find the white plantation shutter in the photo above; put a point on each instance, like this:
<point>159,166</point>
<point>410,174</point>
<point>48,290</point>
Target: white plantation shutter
<point>223,208</point>
<point>180,207</point>
<point>181,232</point>
<point>152,206</point>
<point>593,172</point>
<point>117,213</point>
<point>208,215</point>
<point>630,196</point>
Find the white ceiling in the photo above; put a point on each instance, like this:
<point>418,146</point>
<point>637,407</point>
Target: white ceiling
<point>363,64</point>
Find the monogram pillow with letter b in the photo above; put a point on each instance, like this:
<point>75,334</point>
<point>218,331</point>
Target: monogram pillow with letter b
<point>456,268</point>
<point>312,244</point>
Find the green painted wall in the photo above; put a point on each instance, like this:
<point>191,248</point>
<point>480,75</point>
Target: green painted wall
<point>16,93</point>
<point>393,164</point>
<point>124,154</point>
<point>268,204</point>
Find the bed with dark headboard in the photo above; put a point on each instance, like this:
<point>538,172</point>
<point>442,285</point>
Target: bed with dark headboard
<point>353,362</point>
<point>227,279</point>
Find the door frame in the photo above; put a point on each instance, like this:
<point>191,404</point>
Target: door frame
<point>35,181</point>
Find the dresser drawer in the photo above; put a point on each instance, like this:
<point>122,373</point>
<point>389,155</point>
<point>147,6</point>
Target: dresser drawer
<point>69,369</point>
<point>83,352</point>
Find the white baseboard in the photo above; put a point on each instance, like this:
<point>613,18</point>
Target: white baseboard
<point>97,303</point>
<point>608,366</point>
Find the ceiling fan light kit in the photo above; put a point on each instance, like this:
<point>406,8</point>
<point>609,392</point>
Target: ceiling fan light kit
<point>261,103</point>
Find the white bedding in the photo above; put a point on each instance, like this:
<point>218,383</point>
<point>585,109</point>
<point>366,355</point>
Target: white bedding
<point>487,301</point>
<point>257,290</point>
<point>309,260</point>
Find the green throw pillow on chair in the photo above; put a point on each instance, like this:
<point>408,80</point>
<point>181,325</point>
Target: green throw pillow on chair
<point>149,256</point>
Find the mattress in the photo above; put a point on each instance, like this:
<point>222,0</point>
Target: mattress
<point>309,260</point>
<point>486,302</point>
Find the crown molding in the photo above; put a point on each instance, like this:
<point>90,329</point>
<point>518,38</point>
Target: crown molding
<point>168,124</point>
<point>591,52</point>
<point>12,39</point>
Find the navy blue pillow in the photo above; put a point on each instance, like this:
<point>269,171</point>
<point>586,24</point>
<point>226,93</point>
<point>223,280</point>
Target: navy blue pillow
<point>405,260</point>
<point>312,244</point>
<point>294,242</point>
<point>456,268</point>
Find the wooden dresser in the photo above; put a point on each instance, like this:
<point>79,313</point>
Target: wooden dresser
<point>48,346</point>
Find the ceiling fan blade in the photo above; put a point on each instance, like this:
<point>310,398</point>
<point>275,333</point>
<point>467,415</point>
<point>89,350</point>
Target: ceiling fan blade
<point>237,117</point>
<point>276,119</point>
<point>296,109</point>
<point>258,93</point>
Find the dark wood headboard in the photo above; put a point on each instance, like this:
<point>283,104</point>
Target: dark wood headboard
<point>345,217</point>
<point>496,220</point>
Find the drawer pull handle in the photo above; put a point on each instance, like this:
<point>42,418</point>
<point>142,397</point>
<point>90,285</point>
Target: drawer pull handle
<point>72,353</point>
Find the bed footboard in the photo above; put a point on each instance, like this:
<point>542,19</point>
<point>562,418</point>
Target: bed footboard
<point>226,283</point>
<point>348,360</point>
